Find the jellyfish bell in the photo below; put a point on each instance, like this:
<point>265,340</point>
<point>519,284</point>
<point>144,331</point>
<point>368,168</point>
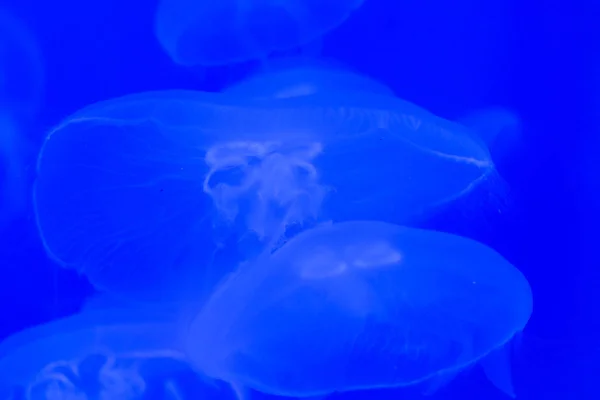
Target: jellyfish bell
<point>161,180</point>
<point>99,353</point>
<point>317,77</point>
<point>246,29</point>
<point>417,306</point>
<point>147,193</point>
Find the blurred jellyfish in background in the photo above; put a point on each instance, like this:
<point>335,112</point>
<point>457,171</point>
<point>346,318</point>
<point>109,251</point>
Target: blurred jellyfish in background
<point>113,353</point>
<point>13,178</point>
<point>22,75</point>
<point>21,80</point>
<point>416,306</point>
<point>300,76</point>
<point>158,189</point>
<point>246,29</point>
<point>501,129</point>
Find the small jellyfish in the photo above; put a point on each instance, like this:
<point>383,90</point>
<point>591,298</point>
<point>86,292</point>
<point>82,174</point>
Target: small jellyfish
<point>294,77</point>
<point>146,193</point>
<point>98,354</point>
<point>416,306</point>
<point>209,33</point>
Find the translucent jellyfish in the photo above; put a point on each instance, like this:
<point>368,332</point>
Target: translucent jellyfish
<point>144,194</point>
<point>97,351</point>
<point>416,306</point>
<point>296,77</point>
<point>205,32</point>
<point>498,127</point>
<point>97,354</point>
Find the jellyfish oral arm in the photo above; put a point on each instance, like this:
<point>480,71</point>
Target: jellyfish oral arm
<point>277,185</point>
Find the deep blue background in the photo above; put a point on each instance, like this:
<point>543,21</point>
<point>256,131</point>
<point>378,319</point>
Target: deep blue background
<point>451,57</point>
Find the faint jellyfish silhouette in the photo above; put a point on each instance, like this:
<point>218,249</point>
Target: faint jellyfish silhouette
<point>500,128</point>
<point>99,354</point>
<point>417,306</point>
<point>14,185</point>
<point>143,194</point>
<point>299,76</point>
<point>210,33</point>
<point>21,67</point>
<point>21,80</point>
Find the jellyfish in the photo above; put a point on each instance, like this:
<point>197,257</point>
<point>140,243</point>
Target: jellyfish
<point>21,78</point>
<point>112,349</point>
<point>151,193</point>
<point>416,306</point>
<point>209,33</point>
<point>99,353</point>
<point>298,76</point>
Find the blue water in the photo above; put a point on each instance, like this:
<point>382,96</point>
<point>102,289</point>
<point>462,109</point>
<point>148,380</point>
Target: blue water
<point>536,209</point>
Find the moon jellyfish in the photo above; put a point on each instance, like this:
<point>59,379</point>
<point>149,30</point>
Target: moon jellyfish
<point>416,306</point>
<point>146,193</point>
<point>299,77</point>
<point>209,33</point>
<point>97,354</point>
